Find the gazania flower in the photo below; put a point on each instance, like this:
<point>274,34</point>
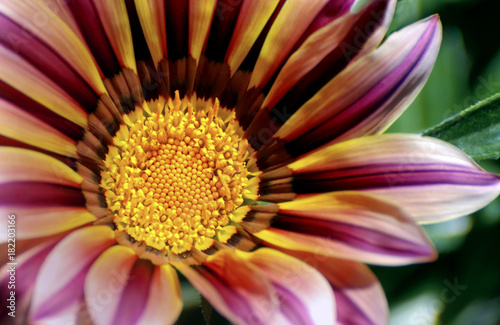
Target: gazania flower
<point>234,142</point>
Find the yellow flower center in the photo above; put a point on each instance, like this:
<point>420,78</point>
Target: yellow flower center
<point>175,176</point>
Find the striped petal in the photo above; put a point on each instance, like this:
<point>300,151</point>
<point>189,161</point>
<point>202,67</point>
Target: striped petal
<point>219,280</point>
<point>366,97</point>
<point>432,180</point>
<point>17,164</point>
<point>283,36</point>
<point>321,43</point>
<point>56,35</point>
<point>26,268</point>
<point>304,294</point>
<point>59,285</point>
<point>106,282</point>
<point>134,297</point>
<point>164,302</point>
<point>23,127</point>
<point>151,15</point>
<point>114,18</point>
<point>349,225</point>
<point>200,19</point>
<point>22,76</point>
<point>36,222</point>
<point>359,296</point>
<point>247,29</point>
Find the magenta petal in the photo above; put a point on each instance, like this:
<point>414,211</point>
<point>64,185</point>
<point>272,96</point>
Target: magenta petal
<point>27,267</point>
<point>359,297</point>
<point>46,60</point>
<point>249,301</point>
<point>135,294</point>
<point>349,225</point>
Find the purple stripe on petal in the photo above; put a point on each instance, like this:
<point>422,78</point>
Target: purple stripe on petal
<point>349,312</point>
<point>39,195</point>
<point>368,104</point>
<point>364,239</point>
<point>48,61</point>
<point>292,307</point>
<point>316,183</point>
<point>330,12</point>
<point>135,295</point>
<point>68,296</point>
<point>4,141</point>
<point>85,15</point>
<point>320,75</point>
<point>41,112</point>
<point>235,301</point>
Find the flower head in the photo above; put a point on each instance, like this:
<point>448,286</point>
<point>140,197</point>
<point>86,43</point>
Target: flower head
<point>235,142</point>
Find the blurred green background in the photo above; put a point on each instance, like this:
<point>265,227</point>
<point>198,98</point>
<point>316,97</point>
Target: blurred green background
<point>463,285</point>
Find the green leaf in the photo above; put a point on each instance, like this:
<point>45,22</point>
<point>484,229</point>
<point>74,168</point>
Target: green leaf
<point>475,130</point>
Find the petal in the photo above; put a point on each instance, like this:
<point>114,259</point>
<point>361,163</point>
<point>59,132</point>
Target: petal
<point>21,75</point>
<point>164,303</point>
<point>57,35</point>
<point>106,282</point>
<point>367,96</point>
<point>282,37</point>
<point>151,14</point>
<point>135,294</point>
<point>59,285</point>
<point>305,295</point>
<point>431,179</point>
<point>350,225</point>
<point>18,164</point>
<point>22,126</point>
<point>320,44</point>
<point>36,222</point>
<point>254,17</point>
<point>200,20</point>
<point>114,18</point>
<point>219,280</point>
<point>26,268</point>
<point>359,296</point>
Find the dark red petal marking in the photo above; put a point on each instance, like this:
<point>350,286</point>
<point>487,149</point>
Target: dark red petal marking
<point>231,297</point>
<point>32,107</point>
<point>176,16</point>
<point>39,195</point>
<point>362,238</point>
<point>65,297</point>
<point>48,61</point>
<point>361,109</point>
<point>28,271</point>
<point>4,141</point>
<point>378,176</point>
<point>330,12</point>
<point>145,66</point>
<point>226,14</point>
<point>292,308</point>
<point>85,15</point>
<point>135,294</point>
<point>326,70</point>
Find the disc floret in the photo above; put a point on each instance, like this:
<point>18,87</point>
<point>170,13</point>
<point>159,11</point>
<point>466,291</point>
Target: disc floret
<point>175,175</point>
